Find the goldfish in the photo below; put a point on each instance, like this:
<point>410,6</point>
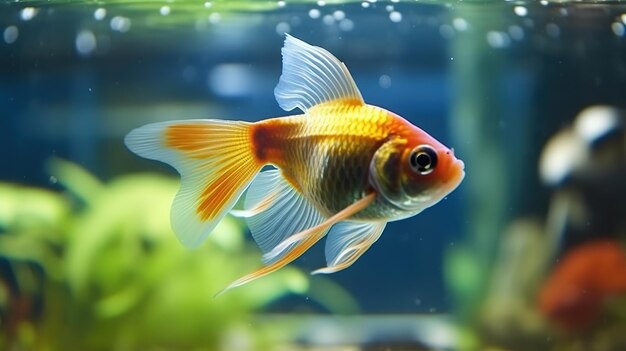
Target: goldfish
<point>341,169</point>
<point>584,279</point>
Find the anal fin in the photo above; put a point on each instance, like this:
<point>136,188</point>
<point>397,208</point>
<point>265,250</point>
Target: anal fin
<point>347,241</point>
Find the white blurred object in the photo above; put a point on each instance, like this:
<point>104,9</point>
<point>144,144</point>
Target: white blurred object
<point>571,151</point>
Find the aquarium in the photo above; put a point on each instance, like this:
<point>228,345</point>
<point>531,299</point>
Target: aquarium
<point>528,252</point>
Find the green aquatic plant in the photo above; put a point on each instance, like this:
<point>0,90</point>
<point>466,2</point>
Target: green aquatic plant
<point>99,268</point>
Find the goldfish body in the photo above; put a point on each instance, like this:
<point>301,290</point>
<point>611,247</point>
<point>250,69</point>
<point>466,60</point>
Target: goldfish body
<point>342,168</point>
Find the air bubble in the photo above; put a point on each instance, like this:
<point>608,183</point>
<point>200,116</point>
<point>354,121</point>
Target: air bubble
<point>446,31</point>
<point>99,14</point>
<point>553,30</point>
<point>28,13</point>
<point>120,24</point>
<point>395,16</point>
<point>460,24</point>
<point>346,25</point>
<point>282,28</point>
<point>215,18</point>
<point>618,29</point>
<point>314,13</point>
<point>520,11</point>
<point>384,81</point>
<point>497,39</point>
<point>10,34</point>
<point>339,15</point>
<point>516,32</point>
<point>85,42</point>
<point>328,20</point>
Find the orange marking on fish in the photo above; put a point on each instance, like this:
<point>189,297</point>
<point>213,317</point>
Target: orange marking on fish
<point>262,142</point>
<point>185,137</point>
<point>217,194</point>
<point>344,102</point>
<point>269,138</point>
<point>264,204</point>
<point>192,138</point>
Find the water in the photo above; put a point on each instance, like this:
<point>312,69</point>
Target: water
<point>494,80</point>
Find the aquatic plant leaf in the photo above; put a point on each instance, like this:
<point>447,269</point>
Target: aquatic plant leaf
<point>20,248</point>
<point>31,211</point>
<point>228,235</point>
<point>4,298</point>
<point>77,180</point>
<point>332,296</point>
<point>128,275</point>
<point>132,212</point>
<point>120,302</point>
<point>287,280</point>
<point>463,274</point>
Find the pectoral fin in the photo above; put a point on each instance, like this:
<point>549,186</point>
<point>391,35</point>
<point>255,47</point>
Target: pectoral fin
<point>295,245</point>
<point>275,210</point>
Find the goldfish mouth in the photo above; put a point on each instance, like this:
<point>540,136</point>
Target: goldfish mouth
<point>457,178</point>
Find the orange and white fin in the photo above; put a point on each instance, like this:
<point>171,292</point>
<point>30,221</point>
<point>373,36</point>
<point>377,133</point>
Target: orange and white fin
<point>295,245</point>
<point>216,164</point>
<point>275,210</point>
<point>312,75</point>
<point>347,241</point>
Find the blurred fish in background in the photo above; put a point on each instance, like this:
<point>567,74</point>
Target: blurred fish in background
<point>559,282</point>
<point>585,164</point>
<point>585,291</point>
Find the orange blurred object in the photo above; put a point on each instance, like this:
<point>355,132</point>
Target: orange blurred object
<point>573,295</point>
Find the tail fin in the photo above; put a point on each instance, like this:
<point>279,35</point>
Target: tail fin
<point>216,164</point>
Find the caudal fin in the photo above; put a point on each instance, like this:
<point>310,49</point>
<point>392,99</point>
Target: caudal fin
<point>216,164</point>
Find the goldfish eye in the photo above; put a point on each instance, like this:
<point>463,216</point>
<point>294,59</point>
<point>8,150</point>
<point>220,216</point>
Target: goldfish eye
<point>423,159</point>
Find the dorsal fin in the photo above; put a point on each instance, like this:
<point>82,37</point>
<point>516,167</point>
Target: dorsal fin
<point>312,75</point>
